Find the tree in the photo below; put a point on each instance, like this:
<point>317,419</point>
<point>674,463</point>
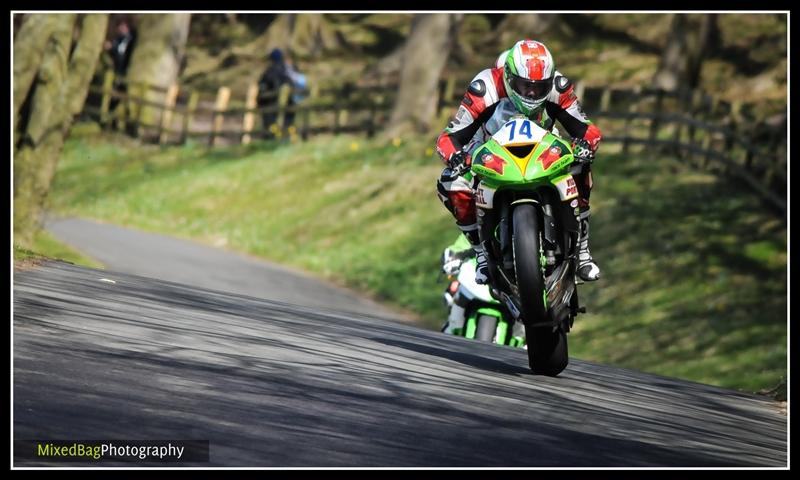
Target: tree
<point>50,89</point>
<point>424,57</point>
<point>157,58</point>
<point>687,45</point>
<point>515,27</point>
<point>306,34</point>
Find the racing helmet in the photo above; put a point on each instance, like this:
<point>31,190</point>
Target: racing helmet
<point>528,75</point>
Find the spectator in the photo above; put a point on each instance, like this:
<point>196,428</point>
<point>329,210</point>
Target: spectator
<point>120,50</point>
<point>279,72</point>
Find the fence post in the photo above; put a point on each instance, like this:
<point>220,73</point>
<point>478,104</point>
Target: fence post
<point>223,96</point>
<point>166,113</point>
<point>655,121</point>
<point>377,103</point>
<point>105,103</point>
<point>136,93</point>
<point>343,114</point>
<point>694,111</point>
<point>306,130</point>
<point>684,98</point>
<point>779,165</point>
<point>707,141</point>
<point>249,115</point>
<point>187,115</point>
<point>579,89</point>
<point>447,94</point>
<point>735,118</point>
<point>605,100</point>
<point>313,95</point>
<point>371,120</point>
<point>632,109</point>
<point>770,173</point>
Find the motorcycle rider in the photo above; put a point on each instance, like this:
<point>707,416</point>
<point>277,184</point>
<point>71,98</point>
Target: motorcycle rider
<point>524,81</point>
<point>452,258</point>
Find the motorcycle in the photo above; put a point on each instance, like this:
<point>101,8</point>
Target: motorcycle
<point>527,210</point>
<point>486,319</point>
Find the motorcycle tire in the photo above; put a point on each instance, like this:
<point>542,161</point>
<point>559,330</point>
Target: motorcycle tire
<point>547,346</point>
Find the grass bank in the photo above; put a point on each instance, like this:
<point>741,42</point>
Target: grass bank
<point>44,247</point>
<point>694,269</point>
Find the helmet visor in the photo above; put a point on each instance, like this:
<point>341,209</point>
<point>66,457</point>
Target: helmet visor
<point>532,89</point>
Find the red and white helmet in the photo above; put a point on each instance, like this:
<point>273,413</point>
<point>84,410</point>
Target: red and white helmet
<point>528,75</point>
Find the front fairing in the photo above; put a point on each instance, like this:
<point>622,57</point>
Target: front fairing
<point>522,155</point>
<point>466,277</point>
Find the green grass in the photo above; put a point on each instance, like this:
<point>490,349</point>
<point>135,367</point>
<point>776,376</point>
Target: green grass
<point>694,269</point>
<point>44,246</point>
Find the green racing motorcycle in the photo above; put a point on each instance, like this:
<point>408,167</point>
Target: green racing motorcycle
<point>485,318</point>
<point>527,209</point>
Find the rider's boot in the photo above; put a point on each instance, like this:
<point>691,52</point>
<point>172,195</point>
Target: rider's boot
<point>587,268</point>
<point>482,267</point>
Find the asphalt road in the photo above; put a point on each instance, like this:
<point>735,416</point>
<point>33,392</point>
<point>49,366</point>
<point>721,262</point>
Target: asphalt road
<point>176,260</point>
<point>279,384</point>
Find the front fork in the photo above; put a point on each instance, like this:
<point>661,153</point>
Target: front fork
<point>495,234</point>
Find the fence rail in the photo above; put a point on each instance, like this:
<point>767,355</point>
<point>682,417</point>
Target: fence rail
<point>718,136</point>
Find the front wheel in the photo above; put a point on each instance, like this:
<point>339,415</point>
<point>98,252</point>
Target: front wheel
<point>547,346</point>
<point>547,350</point>
<point>530,281</point>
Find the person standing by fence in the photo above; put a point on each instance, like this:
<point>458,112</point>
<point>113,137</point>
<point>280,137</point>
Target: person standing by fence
<point>120,50</point>
<point>279,72</point>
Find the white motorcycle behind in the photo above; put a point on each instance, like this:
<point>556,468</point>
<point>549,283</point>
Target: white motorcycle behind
<point>473,312</point>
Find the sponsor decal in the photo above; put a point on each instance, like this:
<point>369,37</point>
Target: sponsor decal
<point>550,156</point>
<point>567,188</point>
<point>463,117</point>
<point>484,197</point>
<point>493,162</point>
<point>572,189</point>
<point>574,204</point>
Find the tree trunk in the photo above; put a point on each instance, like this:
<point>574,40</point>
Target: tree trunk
<point>515,27</point>
<point>157,57</point>
<point>705,42</point>
<point>29,46</point>
<point>682,58</point>
<point>424,57</point>
<point>306,34</point>
<point>62,83</point>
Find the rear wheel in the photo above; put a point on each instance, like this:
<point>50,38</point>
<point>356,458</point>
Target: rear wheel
<point>547,347</point>
<point>487,326</point>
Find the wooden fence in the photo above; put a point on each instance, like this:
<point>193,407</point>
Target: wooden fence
<point>223,117</point>
<point>714,135</point>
